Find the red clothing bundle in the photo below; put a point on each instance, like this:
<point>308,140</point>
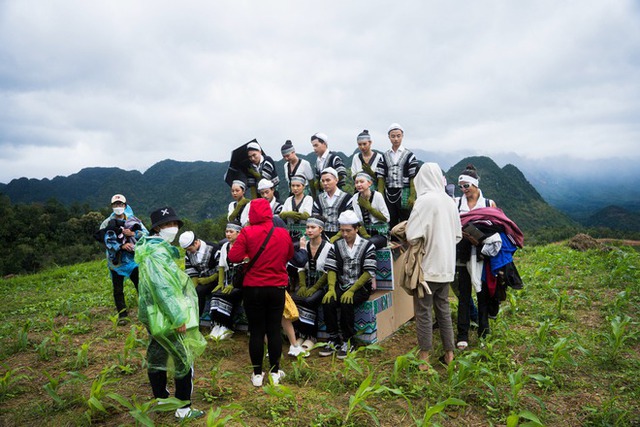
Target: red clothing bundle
<point>270,269</point>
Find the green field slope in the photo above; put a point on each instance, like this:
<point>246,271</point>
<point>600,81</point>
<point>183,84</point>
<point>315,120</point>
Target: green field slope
<point>565,350</point>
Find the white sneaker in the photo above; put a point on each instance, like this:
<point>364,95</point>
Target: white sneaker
<point>277,376</point>
<point>214,331</point>
<point>295,350</point>
<point>224,332</point>
<point>182,413</point>
<point>256,380</point>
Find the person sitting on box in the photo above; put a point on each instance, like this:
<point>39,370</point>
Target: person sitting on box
<point>201,264</point>
<point>297,208</point>
<point>226,297</point>
<point>238,210</point>
<point>331,202</point>
<point>351,264</point>
<point>313,281</point>
<point>371,210</point>
<point>260,167</point>
<point>168,307</point>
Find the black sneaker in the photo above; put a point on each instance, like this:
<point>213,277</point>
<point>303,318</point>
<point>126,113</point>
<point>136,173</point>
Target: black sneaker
<point>123,321</point>
<point>328,349</point>
<point>344,350</point>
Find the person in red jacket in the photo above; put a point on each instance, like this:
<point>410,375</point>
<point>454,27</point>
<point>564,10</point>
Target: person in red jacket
<point>264,286</point>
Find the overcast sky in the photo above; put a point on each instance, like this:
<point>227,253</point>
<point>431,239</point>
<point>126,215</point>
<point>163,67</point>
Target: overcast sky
<point>127,84</point>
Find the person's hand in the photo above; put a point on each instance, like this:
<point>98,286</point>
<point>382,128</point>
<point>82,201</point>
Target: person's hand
<point>227,289</point>
<point>470,238</point>
<point>128,232</point>
<point>182,329</point>
<point>303,291</point>
<point>374,284</point>
<point>217,289</point>
<point>347,297</point>
<point>330,295</point>
<point>303,242</point>
<point>128,247</point>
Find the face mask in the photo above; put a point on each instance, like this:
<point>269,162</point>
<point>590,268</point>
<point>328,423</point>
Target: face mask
<point>168,234</point>
<point>118,211</point>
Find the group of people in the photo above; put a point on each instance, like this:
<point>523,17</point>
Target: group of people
<point>316,252</point>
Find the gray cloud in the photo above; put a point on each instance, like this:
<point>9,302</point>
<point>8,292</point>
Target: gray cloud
<point>121,84</point>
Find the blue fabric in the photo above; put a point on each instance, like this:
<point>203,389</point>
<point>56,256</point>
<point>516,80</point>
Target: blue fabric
<point>505,256</point>
<point>126,263</point>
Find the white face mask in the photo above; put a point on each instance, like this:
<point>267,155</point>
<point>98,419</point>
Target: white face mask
<point>118,211</point>
<point>168,234</point>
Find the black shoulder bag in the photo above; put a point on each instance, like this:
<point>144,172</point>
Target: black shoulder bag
<point>238,278</point>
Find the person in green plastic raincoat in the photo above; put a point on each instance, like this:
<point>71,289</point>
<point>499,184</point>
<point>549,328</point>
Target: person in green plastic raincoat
<point>168,307</point>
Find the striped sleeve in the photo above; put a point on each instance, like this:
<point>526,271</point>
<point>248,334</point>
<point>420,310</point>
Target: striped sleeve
<point>370,263</point>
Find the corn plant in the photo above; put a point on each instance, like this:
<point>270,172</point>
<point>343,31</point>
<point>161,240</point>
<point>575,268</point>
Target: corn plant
<point>22,341</point>
<point>300,370</point>
<point>129,352</point>
<point>82,356</point>
<point>140,411</point>
<point>44,349</point>
<point>561,351</point>
<point>358,401</point>
<point>215,418</point>
<point>513,420</point>
<point>404,364</point>
<point>215,389</point>
<point>53,385</point>
<point>285,396</point>
<point>96,403</point>
<point>616,337</point>
<point>438,408</point>
<point>8,382</point>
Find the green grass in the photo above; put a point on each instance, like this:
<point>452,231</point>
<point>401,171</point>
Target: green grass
<point>564,351</point>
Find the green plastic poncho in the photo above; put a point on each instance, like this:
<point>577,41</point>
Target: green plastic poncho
<point>168,300</point>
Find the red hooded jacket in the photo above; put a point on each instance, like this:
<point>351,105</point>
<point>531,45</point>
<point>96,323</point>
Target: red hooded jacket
<point>270,269</point>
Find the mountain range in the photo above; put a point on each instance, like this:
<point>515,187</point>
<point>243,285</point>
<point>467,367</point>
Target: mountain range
<point>198,190</point>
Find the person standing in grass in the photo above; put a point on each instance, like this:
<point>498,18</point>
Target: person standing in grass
<point>264,285</point>
<point>119,232</point>
<point>434,222</point>
<point>168,307</point>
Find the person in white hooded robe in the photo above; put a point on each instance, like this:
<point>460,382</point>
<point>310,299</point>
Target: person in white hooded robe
<point>434,219</point>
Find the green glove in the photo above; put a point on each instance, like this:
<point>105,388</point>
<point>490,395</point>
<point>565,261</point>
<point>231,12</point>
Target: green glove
<point>412,193</point>
<point>363,232</point>
<point>286,214</point>
<point>217,288</point>
<point>254,192</point>
<point>363,202</point>
<point>331,293</point>
<point>195,280</point>
<point>254,173</point>
<point>367,169</point>
<point>220,277</point>
<point>347,297</point>
<point>207,280</point>
<point>381,185</point>
<point>236,211</point>
<point>302,278</point>
<point>227,289</point>
<point>296,216</point>
<point>335,238</point>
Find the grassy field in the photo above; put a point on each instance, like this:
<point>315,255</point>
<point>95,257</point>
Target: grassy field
<point>564,351</point>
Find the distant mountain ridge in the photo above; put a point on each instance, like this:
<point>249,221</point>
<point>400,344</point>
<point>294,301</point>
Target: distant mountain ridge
<point>198,189</point>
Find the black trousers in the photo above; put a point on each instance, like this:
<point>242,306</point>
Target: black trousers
<point>158,356</point>
<point>118,290</point>
<point>223,306</point>
<point>347,328</point>
<point>307,323</point>
<point>263,306</point>
<point>203,292</point>
<point>393,200</point>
